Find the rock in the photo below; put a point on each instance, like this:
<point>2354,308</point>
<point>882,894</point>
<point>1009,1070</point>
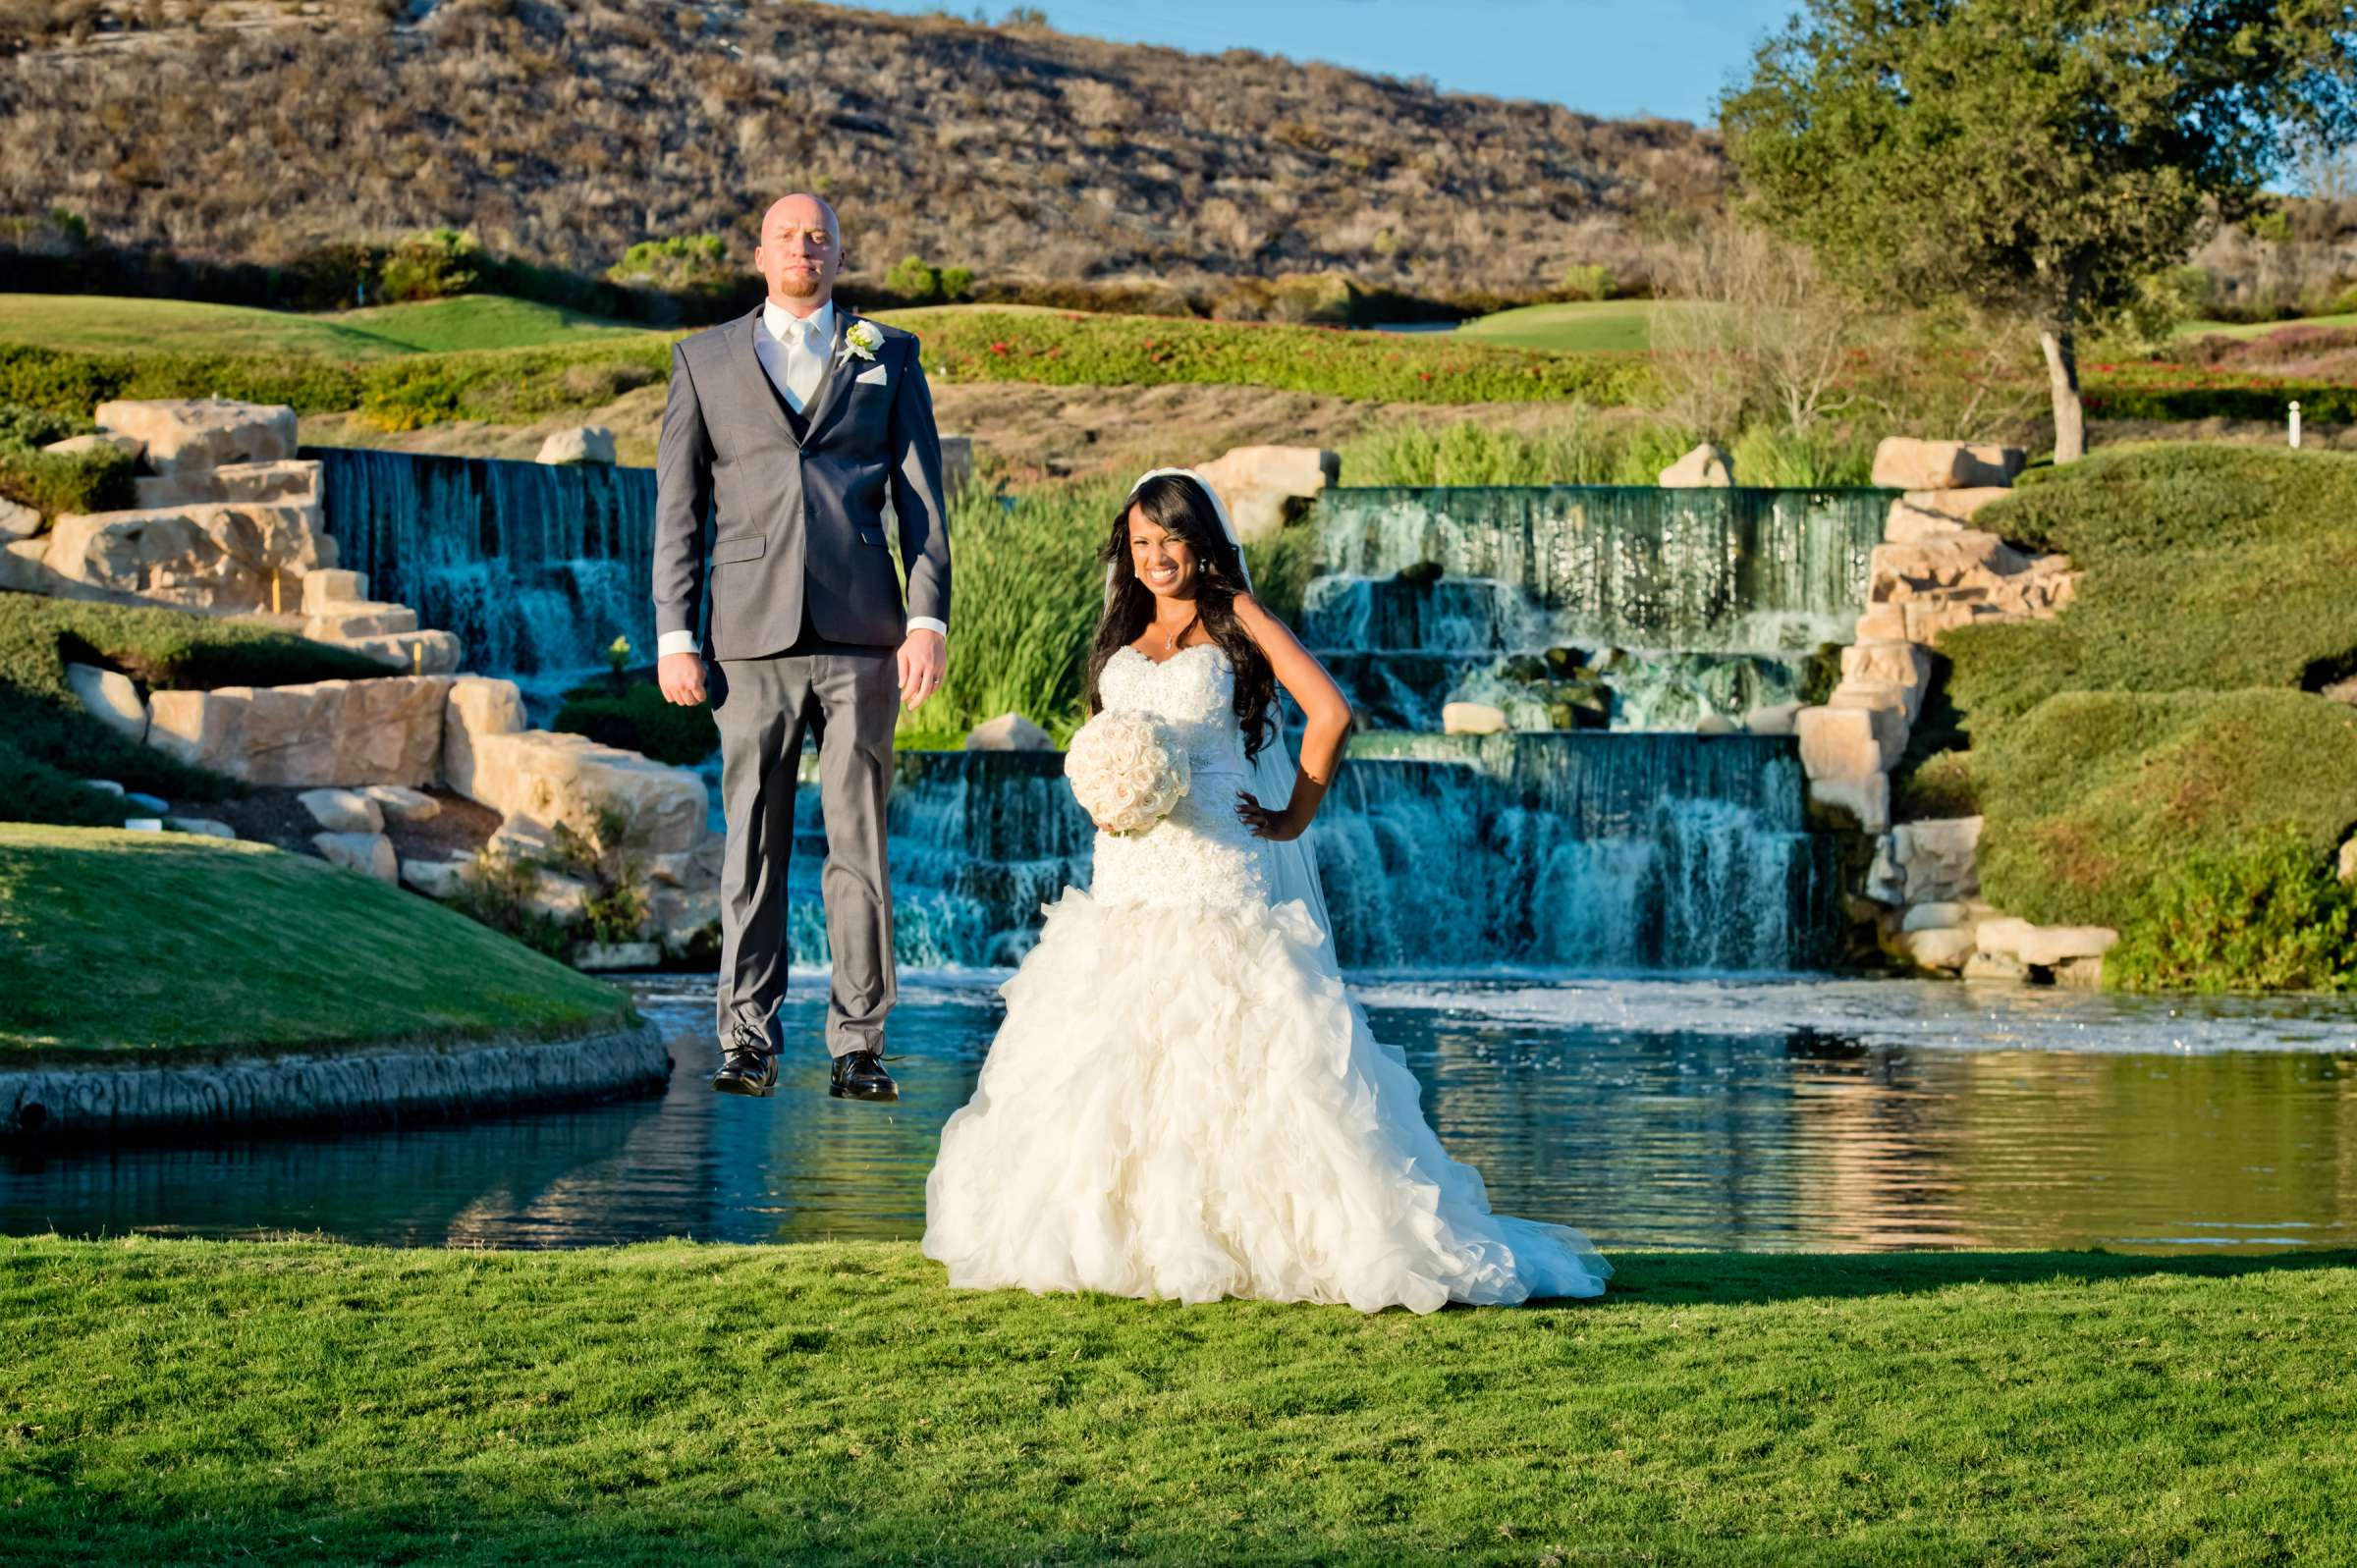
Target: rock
<point>479,706</point>
<point>1961,505</point>
<point>1777,720</point>
<point>1847,742</point>
<point>2046,947</point>
<point>400,804</point>
<point>1942,949</point>
<point>18,521</point>
<point>436,879</point>
<point>1946,916</point>
<point>558,896</point>
<point>1716,724</point>
<point>1967,558</point>
<point>1009,732</point>
<point>100,441</point>
<point>1899,665</point>
<point>689,868</point>
<point>369,853</point>
<point>1888,704</point>
<point>1910,524</point>
<point>1864,800</point>
<point>346,623</point>
<point>204,827</point>
<point>343,810</point>
<point>212,558</point>
<point>1471,719</point>
<point>295,483</point>
<point>577,444</point>
<point>142,825</point>
<point>2001,968</point>
<point>1883,623</point>
<point>1885,883</point>
<point>421,653</point>
<point>105,787</point>
<point>1263,486</point>
<point>146,802</point>
<point>24,568</point>
<point>324,732</point>
<point>2080,974</point>
<point>2348,861</point>
<point>604,955</point>
<point>184,433</point>
<point>551,778</point>
<point>1938,860</point>
<point>1902,462</point>
<point>109,696</point>
<point>324,589</point>
<point>675,914</point>
<point>1707,467</point>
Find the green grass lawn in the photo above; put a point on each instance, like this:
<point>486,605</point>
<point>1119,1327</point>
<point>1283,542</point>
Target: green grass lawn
<point>1599,326</point>
<point>116,943</point>
<point>106,323</point>
<point>304,1403</point>
<point>2257,328</point>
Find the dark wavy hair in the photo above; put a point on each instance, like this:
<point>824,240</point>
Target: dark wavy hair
<point>1179,505</point>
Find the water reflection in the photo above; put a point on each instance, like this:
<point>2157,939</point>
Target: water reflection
<point>1652,1112</point>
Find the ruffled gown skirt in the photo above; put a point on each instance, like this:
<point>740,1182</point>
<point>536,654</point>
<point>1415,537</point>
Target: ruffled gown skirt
<point>1184,1103</point>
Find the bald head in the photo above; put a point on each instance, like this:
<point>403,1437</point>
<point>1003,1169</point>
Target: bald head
<point>801,253</point>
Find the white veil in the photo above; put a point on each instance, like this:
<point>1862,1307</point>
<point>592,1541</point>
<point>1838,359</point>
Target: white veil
<point>1292,864</point>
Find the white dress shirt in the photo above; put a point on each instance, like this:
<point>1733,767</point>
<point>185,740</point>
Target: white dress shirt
<point>792,350</point>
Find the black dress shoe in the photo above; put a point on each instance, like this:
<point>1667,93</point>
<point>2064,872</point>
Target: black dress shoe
<point>747,1066</point>
<point>861,1075</point>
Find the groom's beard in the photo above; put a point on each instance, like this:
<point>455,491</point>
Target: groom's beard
<point>793,287</point>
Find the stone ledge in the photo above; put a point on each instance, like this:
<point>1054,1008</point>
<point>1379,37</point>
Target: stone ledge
<point>369,1085</point>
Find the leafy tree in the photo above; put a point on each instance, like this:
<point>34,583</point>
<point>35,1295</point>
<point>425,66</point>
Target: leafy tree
<point>2039,157</point>
<point>677,264</point>
<point>432,264</point>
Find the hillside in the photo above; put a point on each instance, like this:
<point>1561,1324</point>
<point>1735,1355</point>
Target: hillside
<point>561,134</point>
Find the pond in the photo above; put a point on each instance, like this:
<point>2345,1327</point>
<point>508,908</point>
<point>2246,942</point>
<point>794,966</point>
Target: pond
<point>1799,1114</point>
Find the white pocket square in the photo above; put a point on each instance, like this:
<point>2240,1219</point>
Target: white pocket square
<point>872,376</point>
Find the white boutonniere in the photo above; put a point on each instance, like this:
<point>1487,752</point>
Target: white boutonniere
<point>861,338</point>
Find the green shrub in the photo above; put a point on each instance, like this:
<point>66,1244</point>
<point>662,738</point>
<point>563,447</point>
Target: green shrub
<point>1581,449</point>
<point>47,729</point>
<point>71,380</point>
<point>1783,460</point>
<point>2091,795</point>
<point>1590,281</point>
<point>679,263</point>
<point>23,427</point>
<point>639,718</point>
<point>31,791</point>
<point>431,264</point>
<point>1060,350</point>
<point>58,482</point>
<point>2267,914</point>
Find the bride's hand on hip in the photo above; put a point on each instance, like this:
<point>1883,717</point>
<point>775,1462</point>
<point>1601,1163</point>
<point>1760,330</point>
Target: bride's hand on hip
<point>1276,826</point>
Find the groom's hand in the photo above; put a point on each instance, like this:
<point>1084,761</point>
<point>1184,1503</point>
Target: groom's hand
<point>681,677</point>
<point>924,659</point>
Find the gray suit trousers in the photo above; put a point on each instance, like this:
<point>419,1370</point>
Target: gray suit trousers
<point>847,700</point>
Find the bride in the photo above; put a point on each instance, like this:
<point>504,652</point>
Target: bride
<point>1183,1100</point>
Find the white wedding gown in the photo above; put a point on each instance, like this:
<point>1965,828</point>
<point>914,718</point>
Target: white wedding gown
<point>1184,1102</point>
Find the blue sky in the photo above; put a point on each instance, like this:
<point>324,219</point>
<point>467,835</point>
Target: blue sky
<point>1663,57</point>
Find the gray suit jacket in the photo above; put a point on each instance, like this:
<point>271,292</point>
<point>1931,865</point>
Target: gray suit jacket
<point>796,519</point>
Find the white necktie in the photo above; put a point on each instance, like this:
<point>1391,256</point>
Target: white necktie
<point>805,362</point>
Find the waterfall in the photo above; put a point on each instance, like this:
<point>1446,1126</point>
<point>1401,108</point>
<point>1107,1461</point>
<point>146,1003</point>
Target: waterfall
<point>1588,853</point>
<point>1675,604</point>
<point>535,567</point>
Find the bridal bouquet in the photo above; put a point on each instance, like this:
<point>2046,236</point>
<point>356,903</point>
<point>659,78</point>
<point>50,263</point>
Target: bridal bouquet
<point>1126,771</point>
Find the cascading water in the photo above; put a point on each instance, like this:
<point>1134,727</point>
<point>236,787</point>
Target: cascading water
<point>1596,852</point>
<point>1670,603</point>
<point>535,567</point>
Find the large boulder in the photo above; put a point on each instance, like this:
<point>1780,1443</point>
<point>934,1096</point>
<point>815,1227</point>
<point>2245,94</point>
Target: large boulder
<point>1959,505</point>
<point>368,853</point>
<point>184,433</point>
<point>479,706</point>
<point>1706,468</point>
<point>215,558</point>
<point>1902,462</point>
<point>550,777</point>
<point>1009,732</point>
<point>18,521</point>
<point>421,653</point>
<point>1897,663</point>
<point>343,810</point>
<point>99,440</point>
<point>291,483</point>
<point>577,444</point>
<point>1262,485</point>
<point>1938,860</point>
<point>1473,719</point>
<point>1849,741</point>
<point>351,732</point>
<point>109,697</point>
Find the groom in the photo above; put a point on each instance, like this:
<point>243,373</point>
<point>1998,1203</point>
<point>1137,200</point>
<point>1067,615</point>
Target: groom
<point>791,427</point>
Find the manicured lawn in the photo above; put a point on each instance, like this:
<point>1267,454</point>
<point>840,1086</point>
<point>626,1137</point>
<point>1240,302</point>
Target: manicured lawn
<point>302,1402</point>
<point>2257,328</point>
<point>473,321</point>
<point>1606,326</point>
<point>114,943</point>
